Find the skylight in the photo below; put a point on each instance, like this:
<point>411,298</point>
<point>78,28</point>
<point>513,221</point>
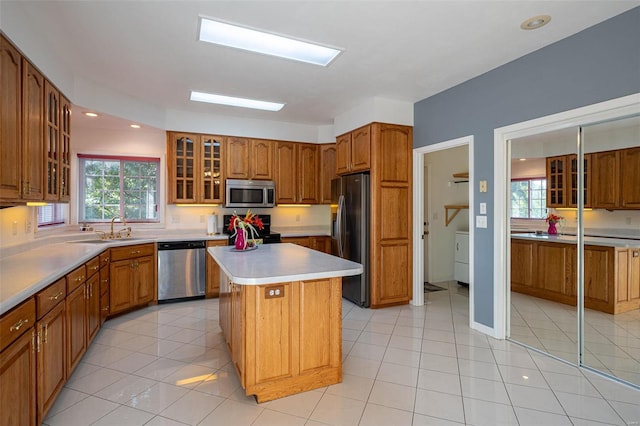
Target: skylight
<point>238,102</point>
<point>261,42</point>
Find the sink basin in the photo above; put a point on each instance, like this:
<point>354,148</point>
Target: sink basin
<point>99,241</point>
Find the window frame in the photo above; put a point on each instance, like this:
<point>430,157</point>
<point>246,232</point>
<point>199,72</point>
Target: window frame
<point>528,179</point>
<point>58,216</point>
<point>121,158</point>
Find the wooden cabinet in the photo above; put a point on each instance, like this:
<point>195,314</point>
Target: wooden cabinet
<point>104,285</point>
<point>10,121</point>
<point>33,85</point>
<point>606,179</point>
<point>556,181</point>
<point>327,171</point>
<point>548,270</point>
<point>297,173</point>
<point>320,243</point>
<point>353,151</point>
<point>52,143</point>
<point>390,249</point>
<point>213,270</point>
<point>76,319</point>
<point>195,168</point>
<point>132,277</point>
<point>249,158</point>
<point>93,307</point>
<point>65,150</point>
<point>630,178</point>
<point>18,381</point>
<point>572,180</point>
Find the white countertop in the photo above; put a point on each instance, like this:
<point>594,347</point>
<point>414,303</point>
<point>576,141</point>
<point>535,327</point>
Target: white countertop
<point>274,263</point>
<point>302,231</point>
<point>572,239</point>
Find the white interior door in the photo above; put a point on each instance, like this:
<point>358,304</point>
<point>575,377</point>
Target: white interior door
<point>425,224</point>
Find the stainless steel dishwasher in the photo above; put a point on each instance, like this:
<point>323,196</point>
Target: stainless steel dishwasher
<point>181,270</point>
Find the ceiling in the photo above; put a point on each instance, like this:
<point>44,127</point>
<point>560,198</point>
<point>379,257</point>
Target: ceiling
<point>397,50</point>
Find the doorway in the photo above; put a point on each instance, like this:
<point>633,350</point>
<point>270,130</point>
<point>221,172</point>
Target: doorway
<point>430,215</point>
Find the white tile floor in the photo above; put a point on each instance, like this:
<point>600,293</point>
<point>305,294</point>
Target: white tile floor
<point>167,365</point>
<point>612,342</point>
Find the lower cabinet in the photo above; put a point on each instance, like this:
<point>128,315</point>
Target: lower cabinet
<point>18,382</point>
<point>93,307</point>
<point>549,270</point>
<point>320,243</point>
<point>213,270</point>
<point>51,360</point>
<point>132,277</point>
<point>76,308</point>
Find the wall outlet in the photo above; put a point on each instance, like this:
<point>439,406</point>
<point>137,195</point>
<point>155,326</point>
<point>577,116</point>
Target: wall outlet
<point>28,227</point>
<point>14,228</point>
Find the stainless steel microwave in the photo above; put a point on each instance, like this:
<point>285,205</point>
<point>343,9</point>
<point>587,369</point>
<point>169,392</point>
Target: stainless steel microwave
<point>250,193</point>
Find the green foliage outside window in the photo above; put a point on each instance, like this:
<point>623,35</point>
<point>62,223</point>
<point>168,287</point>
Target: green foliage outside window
<point>529,199</point>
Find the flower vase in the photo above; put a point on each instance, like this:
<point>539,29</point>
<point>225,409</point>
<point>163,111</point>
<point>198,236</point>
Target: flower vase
<point>241,239</point>
<point>552,229</point>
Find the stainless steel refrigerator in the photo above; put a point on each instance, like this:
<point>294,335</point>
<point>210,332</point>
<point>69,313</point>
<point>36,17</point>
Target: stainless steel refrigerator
<point>350,232</point>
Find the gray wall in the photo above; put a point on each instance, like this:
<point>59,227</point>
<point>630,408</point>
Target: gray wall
<point>597,64</point>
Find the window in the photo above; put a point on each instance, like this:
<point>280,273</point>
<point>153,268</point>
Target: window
<point>529,198</point>
<point>51,214</point>
<point>118,186</point>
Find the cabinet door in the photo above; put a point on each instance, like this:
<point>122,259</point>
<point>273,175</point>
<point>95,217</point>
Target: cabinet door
<point>627,279</point>
<point>10,120</point>
<point>182,150</point>
<point>51,358</point>
<point>52,144</point>
<point>327,171</point>
<point>120,278</point>
<point>361,149</point>
<point>237,329</point>
<point>556,181</point>
<point>237,158</point>
<point>33,146</point>
<point>213,271</point>
<point>76,307</point>
<point>322,244</point>
<point>261,159</point>
<point>93,307</point>
<point>572,184</point>
<point>343,154</point>
<point>522,264</point>
<point>144,282</point>
<point>286,179</point>
<point>308,174</point>
<point>225,310</point>
<point>557,275</point>
<point>212,186</point>
<point>18,382</point>
<point>599,277</point>
<point>65,149</point>
<point>630,178</point>
<point>605,180</point>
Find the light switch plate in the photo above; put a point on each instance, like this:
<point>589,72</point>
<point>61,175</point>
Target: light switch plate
<point>481,221</point>
<point>483,208</point>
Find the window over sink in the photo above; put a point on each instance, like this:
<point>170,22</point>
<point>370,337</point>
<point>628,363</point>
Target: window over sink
<point>529,198</point>
<point>118,186</point>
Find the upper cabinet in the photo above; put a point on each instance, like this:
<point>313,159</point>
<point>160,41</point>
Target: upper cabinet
<point>630,178</point>
<point>195,168</point>
<point>297,173</point>
<point>35,133</point>
<point>562,181</point>
<point>328,171</point>
<point>249,159</point>
<point>353,151</point>
<point>606,175</point>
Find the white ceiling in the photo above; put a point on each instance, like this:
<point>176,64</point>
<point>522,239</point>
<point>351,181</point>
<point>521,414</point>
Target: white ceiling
<point>398,50</point>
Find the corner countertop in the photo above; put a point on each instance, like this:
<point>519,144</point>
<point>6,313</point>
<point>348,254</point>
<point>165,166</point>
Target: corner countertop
<point>302,231</point>
<point>27,270</point>
<point>572,239</point>
<point>275,263</point>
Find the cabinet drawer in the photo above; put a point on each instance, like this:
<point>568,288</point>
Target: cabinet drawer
<point>16,322</point>
<point>130,252</point>
<point>104,280</point>
<point>104,258</point>
<point>50,297</point>
<point>92,266</point>
<point>76,278</point>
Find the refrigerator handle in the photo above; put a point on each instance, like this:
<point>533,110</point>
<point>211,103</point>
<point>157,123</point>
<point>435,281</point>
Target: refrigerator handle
<point>340,225</point>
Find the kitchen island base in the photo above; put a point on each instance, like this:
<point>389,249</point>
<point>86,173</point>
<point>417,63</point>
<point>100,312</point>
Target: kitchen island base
<point>284,338</point>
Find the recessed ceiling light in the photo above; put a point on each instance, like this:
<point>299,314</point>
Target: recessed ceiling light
<point>134,126</point>
<point>535,22</point>
<point>90,114</point>
<point>261,42</point>
<point>238,102</point>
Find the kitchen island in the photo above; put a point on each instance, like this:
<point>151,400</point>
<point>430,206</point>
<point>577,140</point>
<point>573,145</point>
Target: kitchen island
<point>545,266</point>
<point>281,315</point>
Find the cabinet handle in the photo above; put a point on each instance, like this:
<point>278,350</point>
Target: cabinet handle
<point>37,342</point>
<point>636,253</point>
<point>135,252</point>
<point>80,278</point>
<point>106,260</point>
<point>95,268</point>
<point>46,333</point>
<point>106,309</point>
<point>57,296</point>
<point>105,281</point>
<point>33,341</point>
<point>17,326</point>
<point>90,290</point>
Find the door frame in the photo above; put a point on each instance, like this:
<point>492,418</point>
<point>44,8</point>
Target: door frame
<point>418,217</point>
<point>627,105</point>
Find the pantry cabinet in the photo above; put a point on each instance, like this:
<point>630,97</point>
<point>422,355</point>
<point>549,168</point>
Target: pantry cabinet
<point>132,277</point>
<point>249,158</point>
<point>297,173</point>
<point>353,151</point>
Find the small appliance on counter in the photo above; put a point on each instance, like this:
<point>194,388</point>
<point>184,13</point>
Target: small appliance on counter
<point>265,236</point>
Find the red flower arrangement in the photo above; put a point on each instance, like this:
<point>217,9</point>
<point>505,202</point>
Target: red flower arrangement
<point>552,218</point>
<point>249,222</point>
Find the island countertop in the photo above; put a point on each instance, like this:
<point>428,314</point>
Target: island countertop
<point>276,263</point>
